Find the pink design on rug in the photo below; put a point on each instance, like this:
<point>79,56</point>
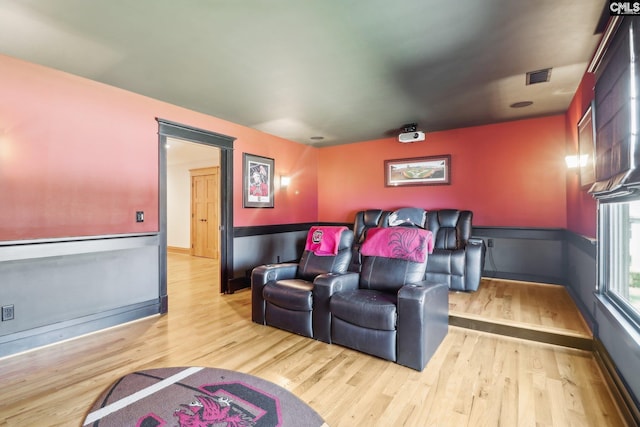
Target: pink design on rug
<point>324,240</point>
<point>411,244</point>
<point>206,411</point>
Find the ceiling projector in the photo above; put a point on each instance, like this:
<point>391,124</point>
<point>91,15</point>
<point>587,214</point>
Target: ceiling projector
<point>414,136</point>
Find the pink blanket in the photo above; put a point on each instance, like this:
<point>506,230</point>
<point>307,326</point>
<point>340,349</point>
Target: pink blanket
<point>324,240</point>
<point>411,244</point>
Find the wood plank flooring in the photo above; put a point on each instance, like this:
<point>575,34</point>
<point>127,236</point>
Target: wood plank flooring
<point>532,305</point>
<point>539,312</point>
<point>474,379</point>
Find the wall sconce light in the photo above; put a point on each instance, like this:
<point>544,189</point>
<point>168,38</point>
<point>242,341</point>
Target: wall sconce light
<point>284,181</point>
<point>576,161</point>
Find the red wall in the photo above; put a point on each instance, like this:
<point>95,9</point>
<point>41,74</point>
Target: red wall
<point>508,174</point>
<point>581,207</point>
<point>297,203</point>
<point>78,158</point>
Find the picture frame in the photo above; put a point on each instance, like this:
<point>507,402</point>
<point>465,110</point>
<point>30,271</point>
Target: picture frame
<point>257,181</point>
<point>429,170</point>
<point>587,147</point>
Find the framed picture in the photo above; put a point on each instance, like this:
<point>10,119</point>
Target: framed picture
<point>433,170</point>
<point>257,181</point>
<point>587,147</point>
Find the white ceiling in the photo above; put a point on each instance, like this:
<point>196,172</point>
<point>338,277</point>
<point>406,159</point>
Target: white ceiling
<point>345,70</point>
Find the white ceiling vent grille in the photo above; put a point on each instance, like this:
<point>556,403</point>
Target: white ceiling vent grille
<point>539,76</point>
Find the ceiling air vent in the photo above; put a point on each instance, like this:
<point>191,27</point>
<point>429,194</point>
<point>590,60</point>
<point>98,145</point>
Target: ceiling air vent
<point>539,76</point>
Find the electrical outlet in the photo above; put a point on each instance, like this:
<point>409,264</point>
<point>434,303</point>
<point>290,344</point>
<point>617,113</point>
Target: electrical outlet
<point>490,243</point>
<point>139,216</point>
<point>7,312</point>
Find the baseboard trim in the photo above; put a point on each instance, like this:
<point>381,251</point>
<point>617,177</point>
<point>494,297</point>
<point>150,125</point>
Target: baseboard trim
<point>38,337</point>
<point>519,277</point>
<point>627,404</point>
<point>178,250</point>
<point>239,283</point>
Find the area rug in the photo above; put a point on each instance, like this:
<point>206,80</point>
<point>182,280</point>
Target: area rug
<point>198,397</point>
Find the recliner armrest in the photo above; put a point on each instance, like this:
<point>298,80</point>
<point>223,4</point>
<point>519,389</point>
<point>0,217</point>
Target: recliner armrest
<point>271,272</point>
<point>474,263</point>
<point>419,290</point>
<point>260,276</point>
<point>423,322</point>
<point>324,286</point>
<point>475,241</point>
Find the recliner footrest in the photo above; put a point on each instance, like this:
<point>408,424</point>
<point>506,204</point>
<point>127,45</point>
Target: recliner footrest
<point>367,308</point>
<point>371,341</point>
<point>293,294</point>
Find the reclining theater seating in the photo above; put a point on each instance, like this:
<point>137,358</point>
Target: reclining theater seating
<point>386,310</point>
<point>364,220</point>
<point>457,260</point>
<point>282,294</point>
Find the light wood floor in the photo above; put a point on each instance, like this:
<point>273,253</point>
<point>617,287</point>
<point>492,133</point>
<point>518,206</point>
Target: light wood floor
<point>541,312</point>
<point>474,379</point>
<point>541,306</point>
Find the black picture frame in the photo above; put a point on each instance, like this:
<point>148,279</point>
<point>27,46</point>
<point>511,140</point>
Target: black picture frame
<point>430,170</point>
<point>257,181</point>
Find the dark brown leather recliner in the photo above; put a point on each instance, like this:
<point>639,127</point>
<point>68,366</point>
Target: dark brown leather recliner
<point>387,310</point>
<point>457,260</point>
<point>364,221</point>
<point>282,294</point>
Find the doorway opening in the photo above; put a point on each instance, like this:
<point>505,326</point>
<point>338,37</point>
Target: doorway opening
<point>168,132</point>
<point>193,198</point>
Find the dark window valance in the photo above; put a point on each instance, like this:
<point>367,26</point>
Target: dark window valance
<point>617,118</point>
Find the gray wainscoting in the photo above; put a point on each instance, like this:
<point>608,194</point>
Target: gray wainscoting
<point>527,254</point>
<point>581,274</point>
<point>251,251</point>
<point>534,255</point>
<point>622,344</point>
<point>63,288</point>
<point>619,341</point>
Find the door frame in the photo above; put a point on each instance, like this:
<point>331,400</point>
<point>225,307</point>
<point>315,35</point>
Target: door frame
<point>169,129</point>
